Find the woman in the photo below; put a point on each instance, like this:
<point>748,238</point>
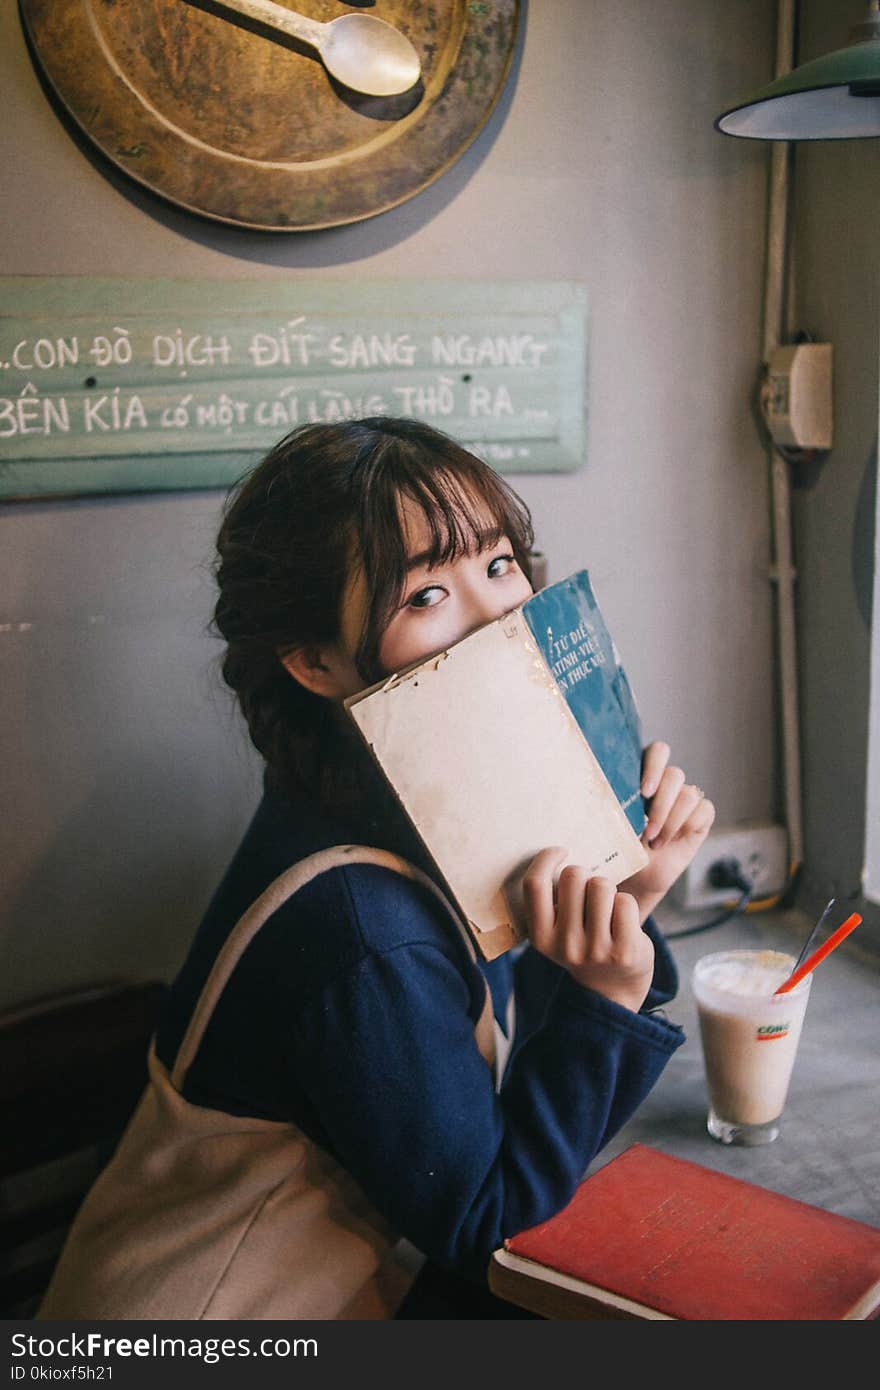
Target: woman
<point>355,1017</point>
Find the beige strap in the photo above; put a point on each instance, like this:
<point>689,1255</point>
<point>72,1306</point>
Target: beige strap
<point>282,888</point>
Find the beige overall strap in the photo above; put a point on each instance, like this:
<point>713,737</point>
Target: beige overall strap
<point>283,887</point>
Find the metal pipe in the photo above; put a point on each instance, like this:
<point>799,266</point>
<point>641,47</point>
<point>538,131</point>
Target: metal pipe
<point>782,571</point>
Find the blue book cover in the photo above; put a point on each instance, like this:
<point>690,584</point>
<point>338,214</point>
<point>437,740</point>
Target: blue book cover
<point>567,624</point>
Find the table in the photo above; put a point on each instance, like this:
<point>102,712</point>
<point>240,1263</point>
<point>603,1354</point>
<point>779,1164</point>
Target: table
<point>828,1150</point>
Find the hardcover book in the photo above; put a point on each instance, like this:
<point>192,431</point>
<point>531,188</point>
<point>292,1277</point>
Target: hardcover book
<point>522,735</point>
<point>658,1237</point>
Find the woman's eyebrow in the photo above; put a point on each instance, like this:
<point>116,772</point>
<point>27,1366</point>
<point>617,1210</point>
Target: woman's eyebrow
<point>430,559</point>
<point>417,562</point>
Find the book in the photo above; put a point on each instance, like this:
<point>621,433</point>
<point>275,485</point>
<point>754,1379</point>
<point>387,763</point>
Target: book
<point>524,734</point>
<point>653,1236</point>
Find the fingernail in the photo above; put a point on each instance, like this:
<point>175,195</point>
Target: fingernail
<point>650,831</point>
<point>649,788</point>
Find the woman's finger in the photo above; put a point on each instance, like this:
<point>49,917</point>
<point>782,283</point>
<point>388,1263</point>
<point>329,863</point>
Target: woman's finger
<point>654,760</point>
<point>685,805</point>
<point>598,905</point>
<point>663,800</point>
<point>539,895</point>
<point>570,914</point>
<point>626,929</point>
<point>702,820</point>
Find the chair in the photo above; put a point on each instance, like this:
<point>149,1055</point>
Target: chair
<point>72,1068</point>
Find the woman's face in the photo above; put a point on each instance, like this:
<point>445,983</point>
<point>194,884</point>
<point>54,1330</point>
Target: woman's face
<point>439,605</point>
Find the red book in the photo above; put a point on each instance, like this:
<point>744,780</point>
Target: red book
<point>653,1236</point>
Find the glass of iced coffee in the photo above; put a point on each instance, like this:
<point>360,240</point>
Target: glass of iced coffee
<point>750,1038</point>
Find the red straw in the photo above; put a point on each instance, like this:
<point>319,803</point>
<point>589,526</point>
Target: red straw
<point>819,955</point>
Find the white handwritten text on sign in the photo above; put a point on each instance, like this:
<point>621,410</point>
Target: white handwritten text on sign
<point>180,383</point>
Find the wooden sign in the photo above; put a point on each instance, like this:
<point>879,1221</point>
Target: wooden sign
<point>154,385</point>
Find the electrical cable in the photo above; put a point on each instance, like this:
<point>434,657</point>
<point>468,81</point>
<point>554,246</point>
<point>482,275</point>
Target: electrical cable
<point>725,916</point>
<point>724,873</point>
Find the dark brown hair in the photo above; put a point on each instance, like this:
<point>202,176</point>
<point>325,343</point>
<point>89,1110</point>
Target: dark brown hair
<point>325,500</point>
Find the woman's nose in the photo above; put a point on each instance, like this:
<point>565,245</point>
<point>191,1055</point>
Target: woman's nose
<point>484,607</point>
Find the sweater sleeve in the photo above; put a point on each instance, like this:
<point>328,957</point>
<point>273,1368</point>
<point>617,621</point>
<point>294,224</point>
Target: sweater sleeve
<point>386,1051</point>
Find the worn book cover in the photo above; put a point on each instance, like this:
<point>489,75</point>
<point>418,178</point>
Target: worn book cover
<point>658,1237</point>
<point>522,735</point>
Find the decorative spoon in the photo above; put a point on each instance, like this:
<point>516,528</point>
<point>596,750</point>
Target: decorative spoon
<point>359,50</point>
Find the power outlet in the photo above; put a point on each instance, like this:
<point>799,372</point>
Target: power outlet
<point>762,851</point>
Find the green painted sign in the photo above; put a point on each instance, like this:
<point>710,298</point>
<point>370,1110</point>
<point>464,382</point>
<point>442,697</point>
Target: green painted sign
<point>154,385</point>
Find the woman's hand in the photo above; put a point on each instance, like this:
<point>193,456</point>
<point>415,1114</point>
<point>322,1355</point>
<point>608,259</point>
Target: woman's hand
<point>679,819</point>
<point>589,928</point>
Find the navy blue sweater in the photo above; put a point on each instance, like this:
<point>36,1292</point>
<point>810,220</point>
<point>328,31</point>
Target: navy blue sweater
<point>352,1014</point>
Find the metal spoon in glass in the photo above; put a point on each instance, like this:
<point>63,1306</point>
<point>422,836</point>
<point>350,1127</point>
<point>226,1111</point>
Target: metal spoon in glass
<point>807,966</point>
<point>814,935</point>
<point>359,50</point>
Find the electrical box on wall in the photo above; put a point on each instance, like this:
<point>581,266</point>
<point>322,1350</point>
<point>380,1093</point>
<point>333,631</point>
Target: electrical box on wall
<point>797,396</point>
<point>758,848</point>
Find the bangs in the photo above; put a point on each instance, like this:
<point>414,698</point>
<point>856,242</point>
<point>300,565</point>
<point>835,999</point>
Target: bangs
<point>460,517</point>
<point>466,507</point>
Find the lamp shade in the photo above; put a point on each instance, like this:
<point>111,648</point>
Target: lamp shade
<point>836,97</point>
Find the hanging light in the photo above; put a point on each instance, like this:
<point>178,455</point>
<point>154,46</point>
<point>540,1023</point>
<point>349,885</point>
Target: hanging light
<point>832,98</point>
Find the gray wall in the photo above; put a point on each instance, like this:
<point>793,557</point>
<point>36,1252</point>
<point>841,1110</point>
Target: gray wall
<point>126,778</point>
<point>837,299</point>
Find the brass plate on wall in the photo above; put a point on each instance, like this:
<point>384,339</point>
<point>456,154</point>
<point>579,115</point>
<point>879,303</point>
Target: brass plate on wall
<point>244,125</point>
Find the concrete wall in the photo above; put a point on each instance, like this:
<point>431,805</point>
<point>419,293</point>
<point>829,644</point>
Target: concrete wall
<point>837,300</point>
<point>126,778</point>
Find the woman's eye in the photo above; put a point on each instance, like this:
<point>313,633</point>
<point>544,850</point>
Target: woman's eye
<point>426,598</point>
<point>500,565</point>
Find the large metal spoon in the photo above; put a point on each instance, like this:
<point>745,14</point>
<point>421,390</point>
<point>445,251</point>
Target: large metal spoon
<point>363,52</point>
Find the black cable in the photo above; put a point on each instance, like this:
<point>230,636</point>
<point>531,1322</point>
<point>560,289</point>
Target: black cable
<point>725,873</point>
<point>725,916</point>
